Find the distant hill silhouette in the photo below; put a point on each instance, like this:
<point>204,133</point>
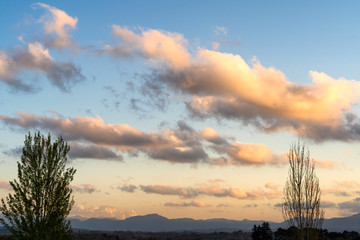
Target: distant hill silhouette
<point>157,223</point>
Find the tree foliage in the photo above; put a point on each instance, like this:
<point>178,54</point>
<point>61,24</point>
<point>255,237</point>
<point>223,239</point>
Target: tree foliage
<point>301,206</point>
<point>262,232</point>
<point>42,198</point>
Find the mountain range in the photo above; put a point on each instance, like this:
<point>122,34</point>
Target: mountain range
<point>157,223</point>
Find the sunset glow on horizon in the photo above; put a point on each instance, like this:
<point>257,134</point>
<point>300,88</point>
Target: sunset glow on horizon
<point>186,109</point>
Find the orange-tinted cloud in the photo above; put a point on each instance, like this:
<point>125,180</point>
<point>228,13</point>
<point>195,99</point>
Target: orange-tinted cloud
<point>247,154</point>
<point>91,137</point>
<point>103,211</point>
<point>192,203</point>
<point>6,185</point>
<point>150,44</point>
<point>223,85</point>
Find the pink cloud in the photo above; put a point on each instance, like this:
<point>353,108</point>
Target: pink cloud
<point>192,203</point>
<point>5,185</point>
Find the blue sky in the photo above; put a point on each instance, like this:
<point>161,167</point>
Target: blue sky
<point>185,108</point>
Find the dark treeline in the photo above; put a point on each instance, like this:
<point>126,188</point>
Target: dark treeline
<point>259,232</point>
<point>100,235</point>
<point>264,232</point>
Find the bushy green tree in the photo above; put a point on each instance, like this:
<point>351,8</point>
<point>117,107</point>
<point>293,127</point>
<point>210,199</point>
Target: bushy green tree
<point>42,198</point>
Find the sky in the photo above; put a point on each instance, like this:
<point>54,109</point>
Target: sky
<point>185,108</point>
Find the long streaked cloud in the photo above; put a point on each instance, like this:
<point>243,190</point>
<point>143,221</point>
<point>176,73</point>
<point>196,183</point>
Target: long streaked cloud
<point>224,86</point>
<point>93,151</point>
<point>57,25</point>
<point>93,138</point>
<point>102,211</point>
<point>84,188</point>
<point>343,188</point>
<point>36,58</point>
<point>352,206</point>
<point>192,203</point>
<point>208,190</point>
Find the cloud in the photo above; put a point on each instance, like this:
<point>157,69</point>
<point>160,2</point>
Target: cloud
<point>127,188</point>
<point>36,58</point>
<point>193,203</point>
<point>351,206</point>
<point>336,191</point>
<point>92,151</point>
<point>84,188</point>
<point>348,184</point>
<point>93,138</point>
<point>328,164</point>
<point>220,30</point>
<point>272,186</point>
<point>57,24</point>
<point>179,145</point>
<point>150,44</point>
<point>103,211</point>
<point>224,86</point>
<point>327,204</point>
<point>207,190</point>
<point>5,185</point>
<point>342,188</point>
<point>247,154</point>
<point>210,135</point>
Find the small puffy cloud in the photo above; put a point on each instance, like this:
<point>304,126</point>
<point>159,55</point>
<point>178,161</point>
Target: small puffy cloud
<point>247,154</point>
<point>84,188</point>
<point>272,186</point>
<point>37,58</point>
<point>278,205</point>
<point>5,185</point>
<point>193,203</point>
<point>103,211</point>
<point>150,44</point>
<point>57,23</point>
<point>127,188</point>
